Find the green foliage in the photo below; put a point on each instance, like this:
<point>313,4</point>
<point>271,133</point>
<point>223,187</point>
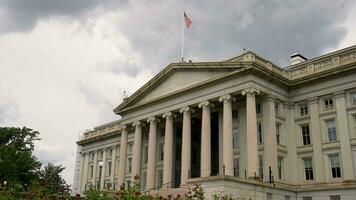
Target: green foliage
<point>50,179</point>
<point>22,171</point>
<point>219,195</point>
<point>17,163</point>
<point>195,193</point>
<point>94,194</point>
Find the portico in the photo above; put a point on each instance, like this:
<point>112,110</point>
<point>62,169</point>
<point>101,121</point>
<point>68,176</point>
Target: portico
<point>193,117</point>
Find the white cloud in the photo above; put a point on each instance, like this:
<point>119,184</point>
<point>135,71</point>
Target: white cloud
<point>52,72</point>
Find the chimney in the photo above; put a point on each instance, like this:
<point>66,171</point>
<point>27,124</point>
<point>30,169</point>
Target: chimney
<point>297,58</point>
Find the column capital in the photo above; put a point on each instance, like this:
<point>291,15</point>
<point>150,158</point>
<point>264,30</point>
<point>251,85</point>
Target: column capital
<point>123,127</point>
<point>225,97</point>
<point>167,115</point>
<point>151,119</point>
<point>137,124</point>
<point>204,104</point>
<point>185,110</point>
<point>249,90</point>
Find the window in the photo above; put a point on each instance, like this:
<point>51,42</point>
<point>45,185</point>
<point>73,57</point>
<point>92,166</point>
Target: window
<point>235,114</point>
<point>278,133</point>
<point>91,156</point>
<point>143,180</point>
<point>109,152</point>
<point>258,108</point>
<point>129,149</point>
<point>269,196</point>
<point>100,155</point>
<point>328,103</point>
<point>260,166</point>
<point>280,167</point>
<point>235,137</point>
<point>162,132</point>
<point>307,198</point>
<point>145,155</point>
<point>109,169</point>
<point>236,167</point>
<point>128,183</point>
<point>353,98</point>
<point>335,166</point>
<point>331,128</point>
<point>160,178</point>
<point>304,110</point>
<point>306,134</point>
<point>259,133</point>
<point>178,152</point>
<point>286,197</point>
<point>276,107</point>
<point>91,171</point>
<point>308,167</point>
<point>129,165</point>
<point>161,152</point>
<point>335,197</point>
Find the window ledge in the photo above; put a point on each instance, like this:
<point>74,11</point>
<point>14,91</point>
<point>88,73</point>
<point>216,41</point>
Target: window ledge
<point>331,145</point>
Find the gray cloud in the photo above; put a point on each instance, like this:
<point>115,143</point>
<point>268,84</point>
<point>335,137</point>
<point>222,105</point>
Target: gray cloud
<point>221,29</point>
<point>118,67</point>
<point>22,15</point>
<point>9,108</point>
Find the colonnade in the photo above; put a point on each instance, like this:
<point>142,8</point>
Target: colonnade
<point>228,161</point>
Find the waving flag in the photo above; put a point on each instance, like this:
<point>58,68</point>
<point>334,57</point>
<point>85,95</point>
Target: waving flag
<point>187,20</point>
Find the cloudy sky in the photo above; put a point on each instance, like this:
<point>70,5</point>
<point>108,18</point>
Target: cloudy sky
<point>65,64</point>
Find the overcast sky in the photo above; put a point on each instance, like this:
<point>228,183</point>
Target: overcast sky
<point>65,64</point>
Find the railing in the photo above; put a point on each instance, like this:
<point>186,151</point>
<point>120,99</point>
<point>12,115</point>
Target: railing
<point>103,131</point>
<point>322,65</point>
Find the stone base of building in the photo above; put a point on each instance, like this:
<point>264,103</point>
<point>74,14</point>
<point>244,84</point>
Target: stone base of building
<point>246,189</point>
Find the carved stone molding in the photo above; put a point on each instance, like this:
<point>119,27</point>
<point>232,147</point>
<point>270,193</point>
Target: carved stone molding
<point>137,124</point>
<point>185,110</point>
<point>250,90</point>
<point>151,119</point>
<point>225,97</point>
<point>123,127</point>
<point>167,115</point>
<point>204,104</point>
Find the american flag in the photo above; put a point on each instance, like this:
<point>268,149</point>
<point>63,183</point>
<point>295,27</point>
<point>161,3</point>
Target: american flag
<point>188,21</point>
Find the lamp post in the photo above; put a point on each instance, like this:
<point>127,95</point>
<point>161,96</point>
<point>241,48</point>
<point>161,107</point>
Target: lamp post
<point>100,170</point>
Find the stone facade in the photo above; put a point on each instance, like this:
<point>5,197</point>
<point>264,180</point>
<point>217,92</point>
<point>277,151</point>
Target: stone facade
<point>244,126</point>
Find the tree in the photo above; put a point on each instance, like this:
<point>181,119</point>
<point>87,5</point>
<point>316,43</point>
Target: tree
<point>51,182</point>
<point>17,162</point>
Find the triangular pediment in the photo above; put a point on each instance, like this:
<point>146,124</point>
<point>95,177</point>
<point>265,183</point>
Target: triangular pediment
<point>176,78</point>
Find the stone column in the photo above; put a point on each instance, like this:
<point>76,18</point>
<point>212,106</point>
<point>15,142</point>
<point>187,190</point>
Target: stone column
<point>151,163</point>
<point>228,149</point>
<point>318,160</point>
<point>82,177</point>
<point>136,162</point>
<point>95,163</point>
<point>269,133</point>
<point>346,154</point>
<point>123,152</point>
<point>205,162</point>
<point>113,167</point>
<point>251,132</point>
<point>103,169</point>
<point>186,145</point>
<point>168,150</point>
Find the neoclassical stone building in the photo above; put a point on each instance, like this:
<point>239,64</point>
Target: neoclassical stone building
<point>243,126</point>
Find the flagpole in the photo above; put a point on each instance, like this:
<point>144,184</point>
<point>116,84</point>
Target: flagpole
<point>183,37</point>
